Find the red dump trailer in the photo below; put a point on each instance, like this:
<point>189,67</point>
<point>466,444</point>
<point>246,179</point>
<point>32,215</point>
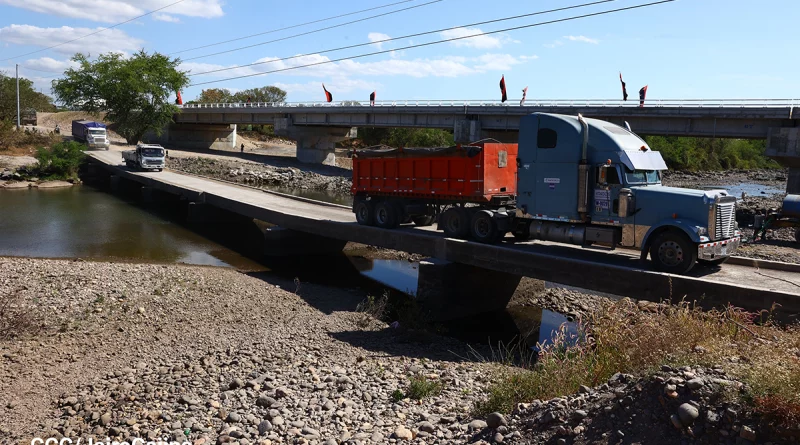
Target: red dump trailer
<point>396,186</point>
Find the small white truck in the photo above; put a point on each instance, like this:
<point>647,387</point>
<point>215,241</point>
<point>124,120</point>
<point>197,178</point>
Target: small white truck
<point>145,157</point>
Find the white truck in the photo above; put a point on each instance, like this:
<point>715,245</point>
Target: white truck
<point>145,157</point>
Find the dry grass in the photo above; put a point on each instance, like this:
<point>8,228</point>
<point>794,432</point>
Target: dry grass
<point>622,338</point>
<point>23,142</point>
<point>16,318</point>
<point>371,309</point>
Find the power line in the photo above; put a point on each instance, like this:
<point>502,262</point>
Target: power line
<point>611,11</point>
<point>41,71</point>
<point>408,36</point>
<point>291,27</point>
<point>95,32</point>
<point>315,30</point>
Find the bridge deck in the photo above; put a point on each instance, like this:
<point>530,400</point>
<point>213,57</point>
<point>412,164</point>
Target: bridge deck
<point>618,273</point>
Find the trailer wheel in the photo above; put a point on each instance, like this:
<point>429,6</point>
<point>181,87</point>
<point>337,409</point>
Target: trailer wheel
<point>797,235</point>
<point>673,252</point>
<point>386,215</point>
<point>363,210</point>
<point>483,227</point>
<point>455,222</point>
<point>423,220</point>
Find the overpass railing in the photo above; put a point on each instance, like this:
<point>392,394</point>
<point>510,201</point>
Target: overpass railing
<point>531,103</point>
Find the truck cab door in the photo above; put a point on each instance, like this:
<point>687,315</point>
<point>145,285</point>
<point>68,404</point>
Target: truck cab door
<point>605,204</point>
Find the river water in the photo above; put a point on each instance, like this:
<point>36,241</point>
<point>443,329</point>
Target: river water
<point>85,222</point>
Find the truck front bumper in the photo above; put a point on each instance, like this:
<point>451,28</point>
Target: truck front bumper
<point>718,249</point>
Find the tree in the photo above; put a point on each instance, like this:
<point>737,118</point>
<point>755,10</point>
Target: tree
<point>214,96</point>
<point>29,99</point>
<point>134,91</point>
<point>263,94</point>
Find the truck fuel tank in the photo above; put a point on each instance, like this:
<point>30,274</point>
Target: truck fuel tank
<point>791,206</point>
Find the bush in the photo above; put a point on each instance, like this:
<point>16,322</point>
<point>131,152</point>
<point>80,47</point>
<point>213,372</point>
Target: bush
<point>60,161</point>
<point>11,138</point>
<point>406,137</point>
<point>421,387</point>
<point>684,153</point>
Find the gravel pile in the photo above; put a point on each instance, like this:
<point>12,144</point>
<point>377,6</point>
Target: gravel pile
<point>675,406</point>
<point>260,175</point>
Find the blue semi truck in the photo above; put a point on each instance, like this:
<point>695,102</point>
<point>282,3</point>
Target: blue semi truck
<point>587,181</point>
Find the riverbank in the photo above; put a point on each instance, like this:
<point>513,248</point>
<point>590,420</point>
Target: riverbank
<point>143,350</point>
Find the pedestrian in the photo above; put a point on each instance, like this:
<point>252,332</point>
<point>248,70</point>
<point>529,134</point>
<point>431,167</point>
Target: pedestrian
<point>242,148</point>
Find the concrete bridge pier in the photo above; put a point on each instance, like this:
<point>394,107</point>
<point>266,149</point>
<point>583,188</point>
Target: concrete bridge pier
<point>195,136</point>
<point>315,145</point>
<point>783,145</point>
<point>447,291</point>
<point>279,241</point>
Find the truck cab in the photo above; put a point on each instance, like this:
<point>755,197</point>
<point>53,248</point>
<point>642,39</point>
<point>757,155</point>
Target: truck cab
<point>96,137</point>
<point>145,157</point>
<point>587,181</point>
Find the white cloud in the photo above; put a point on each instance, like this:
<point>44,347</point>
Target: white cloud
<point>51,65</point>
<point>111,40</point>
<point>555,44</point>
<point>376,37</point>
<point>583,39</point>
<point>166,18</point>
<point>337,86</point>
<point>110,11</point>
<point>479,39</point>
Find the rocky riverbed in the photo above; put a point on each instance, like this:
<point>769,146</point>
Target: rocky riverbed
<point>216,356</point>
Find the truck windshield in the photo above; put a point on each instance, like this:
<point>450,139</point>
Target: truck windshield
<point>152,152</point>
<point>97,132</point>
<point>642,177</point>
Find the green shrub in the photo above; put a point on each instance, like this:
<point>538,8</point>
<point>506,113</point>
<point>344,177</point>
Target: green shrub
<point>60,161</point>
<point>684,153</point>
<point>421,387</point>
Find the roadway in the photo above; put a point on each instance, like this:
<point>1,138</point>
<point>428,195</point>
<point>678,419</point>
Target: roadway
<point>618,272</point>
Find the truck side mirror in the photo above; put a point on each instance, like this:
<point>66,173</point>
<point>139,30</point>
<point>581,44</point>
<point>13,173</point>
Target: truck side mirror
<point>626,203</point>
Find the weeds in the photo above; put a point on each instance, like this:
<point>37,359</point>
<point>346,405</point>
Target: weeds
<point>622,338</point>
<point>371,309</point>
<point>15,318</point>
<point>421,387</point>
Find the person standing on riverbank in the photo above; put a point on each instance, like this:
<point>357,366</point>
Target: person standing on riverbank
<point>242,148</point>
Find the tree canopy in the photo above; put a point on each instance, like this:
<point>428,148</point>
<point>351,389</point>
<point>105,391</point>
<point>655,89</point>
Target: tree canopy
<point>221,95</point>
<point>685,153</point>
<point>29,99</point>
<point>133,91</point>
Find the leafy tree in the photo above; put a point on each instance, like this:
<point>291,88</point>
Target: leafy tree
<point>685,153</point>
<point>214,96</point>
<point>406,137</point>
<point>134,91</point>
<point>60,160</point>
<point>263,94</point>
<point>29,99</point>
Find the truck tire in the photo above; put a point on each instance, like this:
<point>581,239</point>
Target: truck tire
<point>483,227</point>
<point>363,210</point>
<point>455,222</point>
<point>386,215</point>
<point>423,220</point>
<point>797,235</point>
<point>673,252</point>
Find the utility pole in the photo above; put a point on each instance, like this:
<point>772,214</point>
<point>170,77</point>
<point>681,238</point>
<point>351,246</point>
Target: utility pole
<point>18,121</point>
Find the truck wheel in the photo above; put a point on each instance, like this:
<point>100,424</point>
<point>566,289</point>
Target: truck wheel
<point>673,252</point>
<point>483,227</point>
<point>797,235</point>
<point>385,215</point>
<point>423,220</point>
<point>455,222</point>
<point>363,210</point>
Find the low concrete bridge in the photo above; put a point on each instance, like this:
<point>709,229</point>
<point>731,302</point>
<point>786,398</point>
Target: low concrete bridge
<point>494,265</point>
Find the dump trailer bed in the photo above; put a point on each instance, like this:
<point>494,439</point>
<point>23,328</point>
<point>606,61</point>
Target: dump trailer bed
<point>476,173</point>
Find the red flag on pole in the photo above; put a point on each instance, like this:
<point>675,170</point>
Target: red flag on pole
<point>642,95</point>
<point>179,100</point>
<point>524,96</point>
<point>372,99</point>
<point>624,90</point>
<point>328,95</point>
<point>503,88</point>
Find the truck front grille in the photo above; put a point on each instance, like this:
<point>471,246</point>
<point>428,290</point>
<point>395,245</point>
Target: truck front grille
<point>725,220</point>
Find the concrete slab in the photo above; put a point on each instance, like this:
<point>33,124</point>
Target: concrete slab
<point>17,185</point>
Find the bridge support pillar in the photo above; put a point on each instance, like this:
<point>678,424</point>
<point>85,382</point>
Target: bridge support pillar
<point>783,145</point>
<point>114,183</point>
<point>285,242</point>
<point>447,291</point>
<point>195,136</point>
<point>315,145</point>
<point>467,130</point>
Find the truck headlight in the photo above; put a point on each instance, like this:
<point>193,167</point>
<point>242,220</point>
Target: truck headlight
<point>702,231</point>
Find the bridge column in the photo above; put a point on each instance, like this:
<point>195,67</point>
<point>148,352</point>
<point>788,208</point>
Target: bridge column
<point>448,291</point>
<point>783,145</point>
<point>315,145</point>
<point>195,136</point>
<point>467,130</point>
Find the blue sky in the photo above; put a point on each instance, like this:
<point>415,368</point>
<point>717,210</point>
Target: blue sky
<point>687,49</point>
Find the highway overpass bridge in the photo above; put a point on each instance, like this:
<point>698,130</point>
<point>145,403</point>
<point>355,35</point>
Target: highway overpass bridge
<point>491,267</point>
<point>318,126</point>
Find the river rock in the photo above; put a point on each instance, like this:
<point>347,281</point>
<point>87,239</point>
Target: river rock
<point>53,184</point>
<point>403,433</point>
<point>476,425</point>
<point>495,420</point>
<point>17,185</point>
<point>688,413</point>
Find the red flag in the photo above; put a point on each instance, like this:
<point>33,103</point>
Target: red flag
<point>624,90</point>
<point>179,100</point>
<point>372,99</point>
<point>503,88</point>
<point>524,95</point>
<point>642,95</point>
<point>328,95</point>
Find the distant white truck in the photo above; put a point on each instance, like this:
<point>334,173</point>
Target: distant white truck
<point>145,157</point>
